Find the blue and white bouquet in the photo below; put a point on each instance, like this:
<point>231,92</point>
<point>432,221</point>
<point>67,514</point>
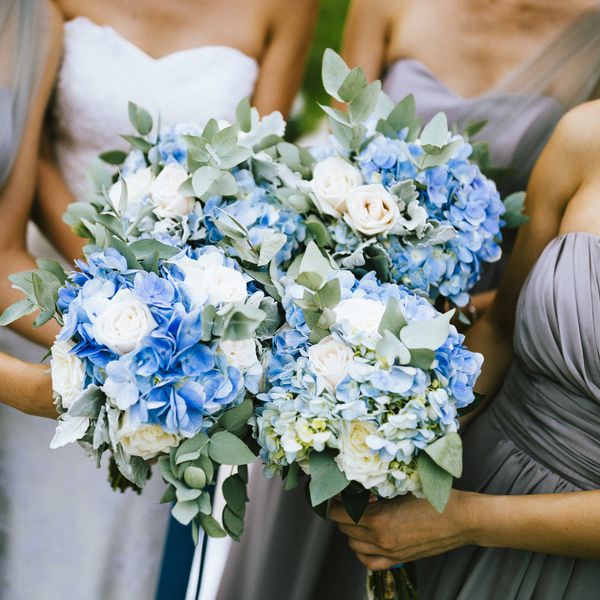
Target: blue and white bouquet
<point>164,327</point>
<point>365,385</point>
<point>189,187</point>
<point>398,198</point>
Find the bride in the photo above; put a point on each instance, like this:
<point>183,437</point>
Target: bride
<point>188,61</point>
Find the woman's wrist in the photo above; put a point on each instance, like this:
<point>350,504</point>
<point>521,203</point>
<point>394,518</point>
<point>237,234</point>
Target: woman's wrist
<point>481,516</point>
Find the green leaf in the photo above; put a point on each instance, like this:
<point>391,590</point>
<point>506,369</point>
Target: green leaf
<point>148,248</point>
<point>330,294</point>
<point>435,133</point>
<point>211,526</point>
<point>363,105</point>
<point>184,512</point>
<point>314,266</point>
<point>234,492</point>
<point>293,476</point>
<point>227,449</point>
<point>243,473</point>
<point>355,503</point>
<point>114,157</point>
<point>140,118</point>
<point>169,495</point>
<point>225,185</point>
<point>474,128</point>
<point>336,115</point>
<point>88,403</point>
<point>326,479</point>
<point>393,318</point>
<point>243,114</point>
<point>422,358</point>
<point>514,216</point>
<point>429,334</point>
<point>272,318</point>
<point>241,322</point>
<point>353,84</point>
<point>270,245</point>
<point>203,179</point>
<point>237,417</point>
<point>138,142</point>
<point>403,114</point>
<point>192,448</point>
<point>52,266</point>
<point>446,452</point>
<point>188,494</point>
<point>234,525</point>
<point>319,232</point>
<point>123,248</point>
<point>436,482</point>
<point>333,72</point>
<point>16,311</point>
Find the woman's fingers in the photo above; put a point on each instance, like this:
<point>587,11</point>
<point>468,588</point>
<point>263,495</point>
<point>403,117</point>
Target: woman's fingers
<point>375,563</point>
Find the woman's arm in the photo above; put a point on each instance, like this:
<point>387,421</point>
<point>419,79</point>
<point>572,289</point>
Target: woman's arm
<point>366,35</point>
<point>26,387</point>
<point>282,63</point>
<point>406,529</point>
<point>16,196</point>
<point>555,179</point>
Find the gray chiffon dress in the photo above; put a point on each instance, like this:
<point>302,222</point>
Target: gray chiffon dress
<point>540,435</point>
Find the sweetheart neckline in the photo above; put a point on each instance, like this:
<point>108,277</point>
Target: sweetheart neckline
<point>165,57</point>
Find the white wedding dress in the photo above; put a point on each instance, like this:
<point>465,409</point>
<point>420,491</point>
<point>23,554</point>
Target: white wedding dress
<point>64,534</point>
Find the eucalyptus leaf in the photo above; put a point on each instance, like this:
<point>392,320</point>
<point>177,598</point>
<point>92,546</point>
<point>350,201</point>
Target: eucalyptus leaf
<point>330,294</point>
<point>429,334</point>
<point>185,512</point>
<point>192,448</point>
<point>227,449</point>
<point>326,479</point>
<point>211,526</point>
<point>188,494</point>
<point>319,232</point>
<point>355,503</point>
<point>241,322</point>
<point>293,476</point>
<point>393,318</point>
<point>243,114</point>
<point>234,492</point>
<point>514,216</point>
<point>270,245</point>
<point>140,118</point>
<point>16,311</point>
<point>403,114</point>
<point>52,266</point>
<point>237,417</point>
<point>436,482</point>
<point>88,403</point>
<point>422,358</point>
<point>233,524</point>
<point>354,83</point>
<point>114,157</point>
<point>447,453</point>
<point>364,103</point>
<point>169,495</point>
<point>333,72</point>
<point>389,348</point>
<point>435,133</point>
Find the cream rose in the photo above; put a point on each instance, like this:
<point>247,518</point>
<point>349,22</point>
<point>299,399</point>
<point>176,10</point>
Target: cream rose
<point>356,459</point>
<point>333,180</point>
<point>147,441</point>
<point>240,353</point>
<point>123,323</point>
<point>138,185</point>
<point>359,315</point>
<point>67,373</point>
<point>372,209</point>
<point>330,359</point>
<point>166,197</point>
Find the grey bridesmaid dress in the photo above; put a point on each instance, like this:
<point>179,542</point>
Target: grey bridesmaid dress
<point>540,435</point>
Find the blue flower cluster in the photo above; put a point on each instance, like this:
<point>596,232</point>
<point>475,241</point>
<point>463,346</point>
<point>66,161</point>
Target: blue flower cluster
<point>139,335</point>
<point>257,209</point>
<point>344,393</point>
<point>455,193</point>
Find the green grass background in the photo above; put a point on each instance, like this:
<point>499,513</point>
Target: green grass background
<point>328,34</point>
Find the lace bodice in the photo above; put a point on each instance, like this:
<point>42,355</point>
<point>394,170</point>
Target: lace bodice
<point>101,71</point>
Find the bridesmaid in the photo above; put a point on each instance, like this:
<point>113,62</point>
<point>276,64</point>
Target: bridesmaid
<point>61,511</point>
<point>30,42</point>
<point>518,65</point>
<point>524,522</point>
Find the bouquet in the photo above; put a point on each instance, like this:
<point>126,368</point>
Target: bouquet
<point>408,202</point>
<point>364,388</point>
<point>163,326</point>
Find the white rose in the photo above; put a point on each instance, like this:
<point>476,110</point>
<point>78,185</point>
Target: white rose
<point>333,179</point>
<point>330,359</point>
<point>167,198</point>
<point>359,315</point>
<point>147,441</point>
<point>356,459</point>
<point>417,218</point>
<point>372,209</point>
<point>67,373</point>
<point>216,285</point>
<point>123,323</point>
<point>138,185</point>
<point>240,353</point>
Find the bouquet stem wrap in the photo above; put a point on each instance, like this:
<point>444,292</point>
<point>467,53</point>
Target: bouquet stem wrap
<point>391,584</point>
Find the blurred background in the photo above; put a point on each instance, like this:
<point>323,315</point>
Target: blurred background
<point>307,114</point>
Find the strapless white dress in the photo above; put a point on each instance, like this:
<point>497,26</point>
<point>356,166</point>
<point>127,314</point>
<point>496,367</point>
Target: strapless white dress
<point>64,534</point>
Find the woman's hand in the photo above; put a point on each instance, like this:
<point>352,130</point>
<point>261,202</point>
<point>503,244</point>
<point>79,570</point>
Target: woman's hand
<point>405,529</point>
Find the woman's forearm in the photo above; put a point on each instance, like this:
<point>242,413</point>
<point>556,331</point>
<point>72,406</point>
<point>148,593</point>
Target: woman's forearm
<point>566,524</point>
<point>26,387</point>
